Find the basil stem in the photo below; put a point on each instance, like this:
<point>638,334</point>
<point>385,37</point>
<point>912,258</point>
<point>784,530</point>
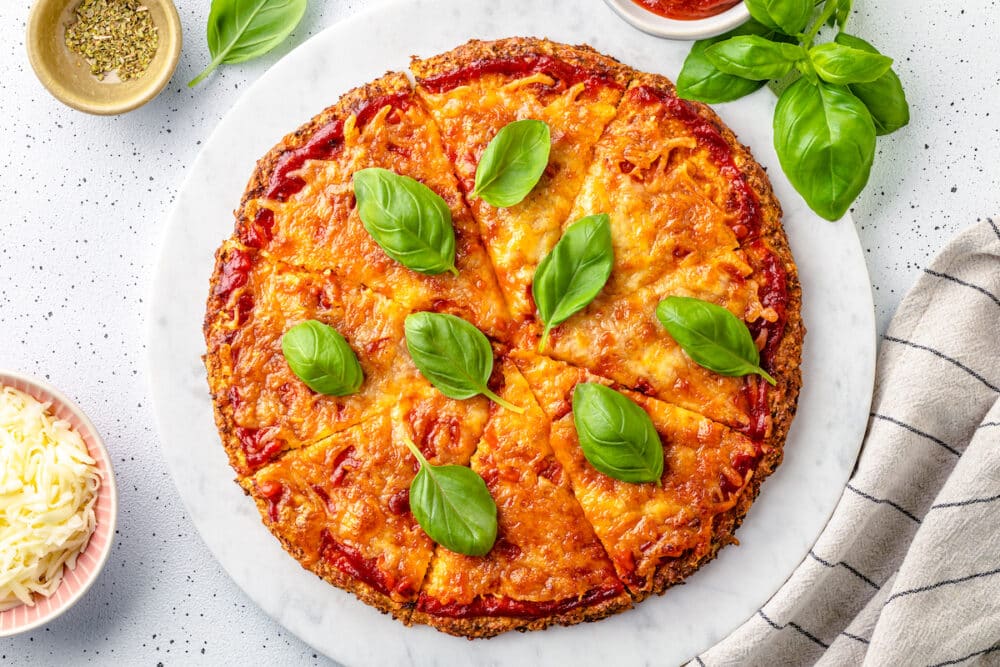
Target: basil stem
<point>320,357</point>
<point>453,506</point>
<point>411,222</point>
<point>616,435</point>
<point>453,355</point>
<point>712,336</point>
<point>512,163</point>
<point>239,30</point>
<point>574,272</point>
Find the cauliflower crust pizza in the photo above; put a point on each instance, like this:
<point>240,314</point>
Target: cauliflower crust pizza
<point>691,214</point>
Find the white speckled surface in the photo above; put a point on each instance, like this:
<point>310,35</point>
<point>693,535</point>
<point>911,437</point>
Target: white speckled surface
<point>85,202</point>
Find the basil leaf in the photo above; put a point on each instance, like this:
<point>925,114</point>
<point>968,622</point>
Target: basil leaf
<point>825,139</point>
<point>616,435</point>
<point>884,96</point>
<point>239,30</point>
<point>574,272</point>
<point>320,357</point>
<point>407,219</point>
<point>512,163</point>
<point>453,506</point>
<point>788,16</point>
<point>700,80</point>
<point>453,355</point>
<point>754,57</point>
<point>712,336</point>
<point>841,64</point>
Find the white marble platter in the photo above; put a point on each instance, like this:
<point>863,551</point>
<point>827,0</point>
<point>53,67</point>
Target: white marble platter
<point>794,505</point>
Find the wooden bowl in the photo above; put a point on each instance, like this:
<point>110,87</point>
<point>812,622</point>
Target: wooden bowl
<point>67,76</point>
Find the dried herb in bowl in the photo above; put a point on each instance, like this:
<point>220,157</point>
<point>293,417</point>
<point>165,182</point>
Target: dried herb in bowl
<point>113,36</point>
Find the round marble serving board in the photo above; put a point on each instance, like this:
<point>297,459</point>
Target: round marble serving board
<point>794,505</point>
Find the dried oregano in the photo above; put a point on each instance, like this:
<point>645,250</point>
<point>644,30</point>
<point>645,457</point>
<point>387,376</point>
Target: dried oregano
<point>113,36</point>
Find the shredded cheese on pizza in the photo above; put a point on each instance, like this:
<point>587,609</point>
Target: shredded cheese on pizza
<point>48,488</point>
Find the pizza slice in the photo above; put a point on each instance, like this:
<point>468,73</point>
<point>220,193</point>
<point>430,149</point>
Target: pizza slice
<point>656,535</point>
<point>475,90</point>
<point>547,565</point>
<point>340,506</point>
<point>300,205</point>
<point>262,408</point>
<point>691,215</point>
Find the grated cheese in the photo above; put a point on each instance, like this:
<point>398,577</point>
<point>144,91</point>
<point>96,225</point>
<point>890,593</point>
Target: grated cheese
<point>48,487</point>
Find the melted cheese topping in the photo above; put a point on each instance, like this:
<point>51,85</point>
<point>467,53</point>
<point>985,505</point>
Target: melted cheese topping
<point>545,548</point>
<point>48,488</point>
<point>270,407</point>
<point>672,230</point>
<point>343,504</point>
<point>518,237</point>
<point>318,227</point>
<point>643,525</point>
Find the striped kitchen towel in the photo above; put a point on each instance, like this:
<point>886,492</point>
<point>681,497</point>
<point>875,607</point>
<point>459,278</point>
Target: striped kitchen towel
<point>907,572</point>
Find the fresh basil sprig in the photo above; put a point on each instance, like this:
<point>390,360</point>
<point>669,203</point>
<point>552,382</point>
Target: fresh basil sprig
<point>453,355</point>
<point>411,222</point>
<point>832,93</point>
<point>616,435</point>
<point>453,506</point>
<point>320,357</point>
<point>240,30</point>
<point>574,272</point>
<point>512,163</point>
<point>712,336</point>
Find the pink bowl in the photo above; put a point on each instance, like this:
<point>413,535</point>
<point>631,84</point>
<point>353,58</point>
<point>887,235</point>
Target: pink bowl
<point>75,582</point>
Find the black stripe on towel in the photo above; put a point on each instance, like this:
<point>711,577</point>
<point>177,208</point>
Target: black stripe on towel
<point>946,582</point>
<point>855,637</point>
<point>882,501</point>
<point>846,567</point>
<point>985,424</point>
<point>796,626</point>
<point>916,431</point>
<point>994,226</point>
<point>963,503</point>
<point>944,356</point>
<point>699,660</point>
<point>971,655</point>
<point>953,279</point>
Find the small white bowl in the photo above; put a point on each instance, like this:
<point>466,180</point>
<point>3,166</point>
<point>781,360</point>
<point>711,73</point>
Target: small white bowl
<point>91,561</point>
<point>647,21</point>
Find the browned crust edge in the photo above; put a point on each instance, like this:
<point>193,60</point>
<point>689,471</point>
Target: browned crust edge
<point>782,399</point>
<point>483,627</point>
<point>582,56</point>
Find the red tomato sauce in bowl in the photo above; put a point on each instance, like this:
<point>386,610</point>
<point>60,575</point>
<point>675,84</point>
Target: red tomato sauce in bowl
<point>686,10</point>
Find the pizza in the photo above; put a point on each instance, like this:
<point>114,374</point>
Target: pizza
<point>691,214</point>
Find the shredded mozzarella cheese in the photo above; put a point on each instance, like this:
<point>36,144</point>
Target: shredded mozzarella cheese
<point>48,487</point>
